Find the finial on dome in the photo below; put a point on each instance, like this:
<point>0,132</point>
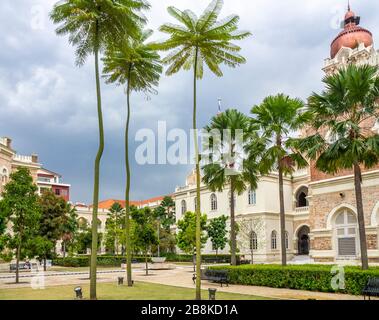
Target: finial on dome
<point>348,5</point>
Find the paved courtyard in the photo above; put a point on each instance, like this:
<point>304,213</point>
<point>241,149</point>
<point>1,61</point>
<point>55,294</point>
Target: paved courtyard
<point>180,276</point>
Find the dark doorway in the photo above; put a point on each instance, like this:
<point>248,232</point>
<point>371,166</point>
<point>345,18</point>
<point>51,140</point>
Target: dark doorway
<point>303,240</point>
<point>302,202</point>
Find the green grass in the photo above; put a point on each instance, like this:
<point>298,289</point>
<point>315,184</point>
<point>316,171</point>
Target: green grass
<point>110,291</point>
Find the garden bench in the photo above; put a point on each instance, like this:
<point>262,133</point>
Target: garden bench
<point>371,288</point>
<point>217,276</point>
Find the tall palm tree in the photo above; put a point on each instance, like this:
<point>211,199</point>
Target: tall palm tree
<point>137,64</point>
<point>224,172</point>
<point>195,42</point>
<point>343,118</point>
<point>277,117</point>
<point>91,25</point>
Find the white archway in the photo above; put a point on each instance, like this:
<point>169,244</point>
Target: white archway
<point>332,214</point>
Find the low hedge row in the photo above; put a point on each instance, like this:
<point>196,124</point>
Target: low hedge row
<point>300,277</point>
<point>115,261</point>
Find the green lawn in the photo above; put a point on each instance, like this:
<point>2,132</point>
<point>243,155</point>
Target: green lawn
<point>110,291</point>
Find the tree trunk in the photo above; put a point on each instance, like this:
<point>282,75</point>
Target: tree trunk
<point>252,256</point>
<point>361,219</point>
<point>159,225</point>
<point>93,268</point>
<point>18,253</point>
<point>282,218</point>
<point>146,264</point>
<point>198,213</point>
<point>44,264</point>
<point>127,191</point>
<point>233,246</point>
<point>64,249</point>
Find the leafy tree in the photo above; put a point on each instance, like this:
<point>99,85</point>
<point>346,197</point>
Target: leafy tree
<point>165,217</point>
<point>247,228</point>
<point>83,240</point>
<point>91,26</point>
<point>193,43</point>
<point>227,166</point>
<point>278,117</point>
<point>144,231</point>
<point>53,212</point>
<point>69,229</point>
<point>20,205</point>
<point>114,227</point>
<point>217,233</point>
<point>186,237</point>
<point>136,64</point>
<point>343,116</point>
<point>3,226</point>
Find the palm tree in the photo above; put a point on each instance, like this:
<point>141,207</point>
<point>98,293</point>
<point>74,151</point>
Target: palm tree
<point>91,26</point>
<point>343,116</point>
<point>222,173</point>
<point>195,42</point>
<point>138,65</point>
<point>277,117</point>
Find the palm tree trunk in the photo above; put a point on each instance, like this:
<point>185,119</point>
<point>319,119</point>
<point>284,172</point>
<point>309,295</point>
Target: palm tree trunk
<point>127,190</point>
<point>198,214</point>
<point>146,264</point>
<point>282,218</point>
<point>64,249</point>
<point>93,269</point>
<point>361,219</point>
<point>232,225</point>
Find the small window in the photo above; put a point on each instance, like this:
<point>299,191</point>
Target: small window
<point>252,195</point>
<point>57,192</point>
<point>273,240</point>
<point>253,241</point>
<point>213,202</point>
<point>287,240</point>
<point>184,207</point>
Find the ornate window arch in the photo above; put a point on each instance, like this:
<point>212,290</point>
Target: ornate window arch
<point>346,232</point>
<point>213,202</point>
<point>183,205</point>
<point>253,241</point>
<point>252,197</point>
<point>4,175</point>
<point>274,236</point>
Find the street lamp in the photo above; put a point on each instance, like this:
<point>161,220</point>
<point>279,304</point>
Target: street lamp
<point>194,260</point>
<point>78,293</point>
<point>212,293</point>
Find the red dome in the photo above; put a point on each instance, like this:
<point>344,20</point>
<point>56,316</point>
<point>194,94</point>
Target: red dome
<point>352,35</point>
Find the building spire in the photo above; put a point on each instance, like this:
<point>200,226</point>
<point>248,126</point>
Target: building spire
<point>348,5</point>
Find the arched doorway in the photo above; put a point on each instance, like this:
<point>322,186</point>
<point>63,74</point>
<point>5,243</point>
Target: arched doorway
<point>303,240</point>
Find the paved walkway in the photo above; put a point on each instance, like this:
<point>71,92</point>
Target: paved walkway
<point>181,276</point>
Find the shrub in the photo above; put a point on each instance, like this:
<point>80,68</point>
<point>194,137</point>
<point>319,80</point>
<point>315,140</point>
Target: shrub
<point>84,261</point>
<point>300,277</point>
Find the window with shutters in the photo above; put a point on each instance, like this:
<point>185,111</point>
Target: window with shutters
<point>346,231</point>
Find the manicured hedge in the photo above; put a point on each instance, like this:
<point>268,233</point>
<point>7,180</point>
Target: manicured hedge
<point>301,277</point>
<point>115,261</point>
<point>84,261</point>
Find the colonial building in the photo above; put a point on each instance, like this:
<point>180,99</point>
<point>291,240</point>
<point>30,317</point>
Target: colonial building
<point>45,179</point>
<point>321,215</point>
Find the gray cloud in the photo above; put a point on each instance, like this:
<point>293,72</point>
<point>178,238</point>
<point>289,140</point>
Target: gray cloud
<point>48,105</point>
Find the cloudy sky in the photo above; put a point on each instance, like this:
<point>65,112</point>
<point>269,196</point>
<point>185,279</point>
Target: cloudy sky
<point>48,105</point>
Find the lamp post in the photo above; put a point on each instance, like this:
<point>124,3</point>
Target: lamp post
<point>194,260</point>
<point>212,293</point>
<point>78,293</point>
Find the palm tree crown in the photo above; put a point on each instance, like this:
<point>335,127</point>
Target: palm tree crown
<point>204,39</point>
<point>343,117</point>
<point>133,62</point>
<point>91,25</point>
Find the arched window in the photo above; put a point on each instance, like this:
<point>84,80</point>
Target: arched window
<point>184,207</point>
<point>346,231</point>
<point>301,197</point>
<point>287,240</point>
<point>4,176</point>
<point>273,240</point>
<point>213,202</point>
<point>252,197</point>
<point>230,200</point>
<point>253,241</point>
